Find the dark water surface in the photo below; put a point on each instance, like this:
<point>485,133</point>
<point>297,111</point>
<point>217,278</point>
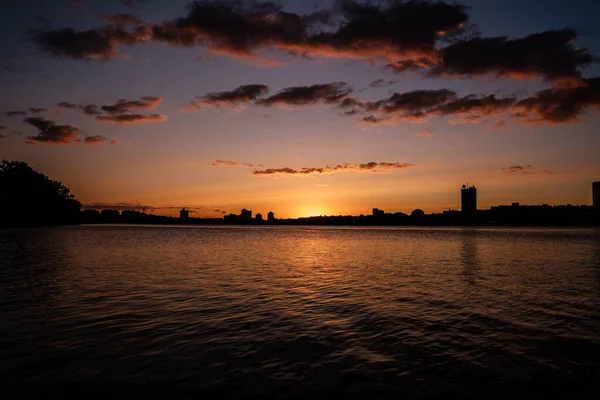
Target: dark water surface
<point>297,312</point>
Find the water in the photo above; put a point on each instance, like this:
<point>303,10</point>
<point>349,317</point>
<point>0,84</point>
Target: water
<point>296,312</point>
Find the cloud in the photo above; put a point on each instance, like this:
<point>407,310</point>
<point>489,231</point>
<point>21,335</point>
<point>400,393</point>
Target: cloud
<point>130,119</point>
<point>556,106</point>
<point>371,166</point>
<point>328,93</point>
<point>381,83</point>
<point>218,163</point>
<point>416,106</point>
<point>242,94</point>
<point>2,127</point>
<point>395,30</point>
<point>551,55</point>
<point>424,132</point>
<point>3,137</point>
<point>16,113</point>
<point>124,106</point>
<point>94,140</point>
<point>49,132</point>
<point>99,43</point>
<point>525,170</point>
<point>121,111</point>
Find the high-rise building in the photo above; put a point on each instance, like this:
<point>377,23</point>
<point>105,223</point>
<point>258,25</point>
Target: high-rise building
<point>468,199</point>
<point>596,194</point>
<point>259,217</point>
<point>378,213</point>
<point>271,216</point>
<point>246,214</point>
<point>184,214</point>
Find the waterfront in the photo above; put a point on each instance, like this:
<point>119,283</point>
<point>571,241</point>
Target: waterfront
<point>293,312</point>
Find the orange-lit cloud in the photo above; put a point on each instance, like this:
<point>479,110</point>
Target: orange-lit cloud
<point>371,167</point>
<point>408,35</point>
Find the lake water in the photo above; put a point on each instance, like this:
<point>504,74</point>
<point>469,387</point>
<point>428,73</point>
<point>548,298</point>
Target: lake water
<point>297,312</point>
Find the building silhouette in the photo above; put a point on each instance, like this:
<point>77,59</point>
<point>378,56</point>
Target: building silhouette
<point>468,199</point>
<point>184,214</point>
<point>378,213</point>
<point>246,214</point>
<point>596,194</point>
<point>259,217</point>
<point>271,216</point>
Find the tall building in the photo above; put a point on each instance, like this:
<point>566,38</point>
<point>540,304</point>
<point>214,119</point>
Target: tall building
<point>468,199</point>
<point>271,216</point>
<point>246,214</point>
<point>378,213</point>
<point>259,217</point>
<point>184,214</point>
<point>596,194</point>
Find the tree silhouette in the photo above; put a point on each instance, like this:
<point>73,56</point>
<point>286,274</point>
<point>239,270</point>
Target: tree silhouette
<point>30,198</point>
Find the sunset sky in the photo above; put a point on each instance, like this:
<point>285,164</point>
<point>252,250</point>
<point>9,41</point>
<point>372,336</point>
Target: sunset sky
<point>302,107</point>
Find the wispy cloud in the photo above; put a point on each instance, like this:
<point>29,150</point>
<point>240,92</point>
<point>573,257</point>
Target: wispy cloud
<point>526,170</point>
<point>91,140</point>
<point>130,119</point>
<point>224,163</point>
<point>370,167</point>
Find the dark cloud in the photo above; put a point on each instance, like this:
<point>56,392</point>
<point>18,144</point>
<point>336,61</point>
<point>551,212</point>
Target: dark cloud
<point>394,29</point>
<point>36,110</point>
<point>557,106</point>
<point>414,102</point>
<point>121,111</point>
<point>225,163</point>
<point>328,93</point>
<point>242,94</point>
<point>94,139</point>
<point>382,83</point>
<point>526,170</point>
<point>99,43</point>
<point>371,166</point>
<point>549,54</point>
<point>2,127</point>
<point>92,43</point>
<point>3,137</point>
<point>130,119</point>
<point>16,113</point>
<point>49,132</point>
<point>124,106</point>
<point>485,105</point>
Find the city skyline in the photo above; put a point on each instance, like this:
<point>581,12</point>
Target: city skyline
<point>157,107</point>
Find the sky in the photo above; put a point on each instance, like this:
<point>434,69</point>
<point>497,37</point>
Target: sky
<point>303,107</point>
